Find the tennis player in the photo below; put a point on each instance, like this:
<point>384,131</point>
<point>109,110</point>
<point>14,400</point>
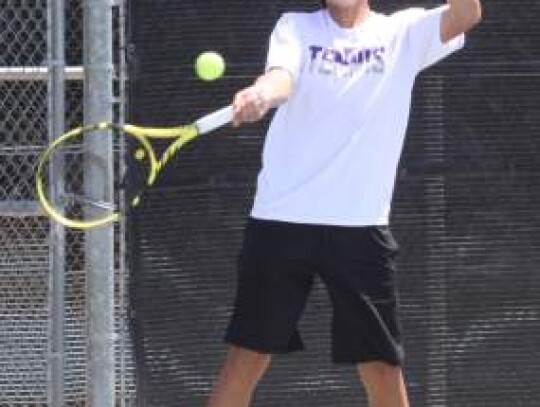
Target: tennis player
<point>341,78</point>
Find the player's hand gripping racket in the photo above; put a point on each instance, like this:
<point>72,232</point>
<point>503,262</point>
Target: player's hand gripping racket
<point>75,210</point>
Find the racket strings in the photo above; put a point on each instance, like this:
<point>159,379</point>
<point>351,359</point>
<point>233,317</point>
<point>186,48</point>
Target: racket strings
<point>71,198</point>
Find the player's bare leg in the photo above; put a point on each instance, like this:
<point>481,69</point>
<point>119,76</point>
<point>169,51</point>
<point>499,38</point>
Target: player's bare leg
<point>239,375</point>
<point>384,384</point>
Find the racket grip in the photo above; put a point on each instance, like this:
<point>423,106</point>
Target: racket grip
<point>214,120</point>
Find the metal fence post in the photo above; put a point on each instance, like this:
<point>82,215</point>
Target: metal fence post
<point>56,124</point>
<point>98,102</point>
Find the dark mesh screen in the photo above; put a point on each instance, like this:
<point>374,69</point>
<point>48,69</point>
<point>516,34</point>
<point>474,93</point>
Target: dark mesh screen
<point>465,214</point>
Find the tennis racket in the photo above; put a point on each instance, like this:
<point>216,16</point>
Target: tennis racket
<point>71,207</point>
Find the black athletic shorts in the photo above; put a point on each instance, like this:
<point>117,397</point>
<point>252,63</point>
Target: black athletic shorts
<point>277,264</point>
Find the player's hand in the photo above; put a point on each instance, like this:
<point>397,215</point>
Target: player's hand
<point>250,104</point>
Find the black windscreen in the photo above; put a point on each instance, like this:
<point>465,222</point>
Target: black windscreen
<point>465,214</point>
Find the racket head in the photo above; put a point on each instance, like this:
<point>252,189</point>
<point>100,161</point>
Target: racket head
<point>60,180</point>
<point>71,205</point>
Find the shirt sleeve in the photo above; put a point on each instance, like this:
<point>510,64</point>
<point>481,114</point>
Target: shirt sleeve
<point>424,37</point>
<point>285,49</point>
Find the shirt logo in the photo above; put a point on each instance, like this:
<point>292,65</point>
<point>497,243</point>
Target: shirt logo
<point>346,62</point>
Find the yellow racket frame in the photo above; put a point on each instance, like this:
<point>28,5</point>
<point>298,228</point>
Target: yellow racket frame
<point>143,135</point>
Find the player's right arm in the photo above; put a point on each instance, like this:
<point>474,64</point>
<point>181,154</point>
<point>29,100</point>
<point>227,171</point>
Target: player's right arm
<point>275,86</point>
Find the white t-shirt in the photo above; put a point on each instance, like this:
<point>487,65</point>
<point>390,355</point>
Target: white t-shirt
<point>332,150</point>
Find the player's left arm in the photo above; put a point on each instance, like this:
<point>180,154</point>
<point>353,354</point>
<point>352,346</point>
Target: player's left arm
<point>460,17</point>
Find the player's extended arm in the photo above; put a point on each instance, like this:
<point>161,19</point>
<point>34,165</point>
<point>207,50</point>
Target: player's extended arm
<point>460,17</point>
<point>269,90</point>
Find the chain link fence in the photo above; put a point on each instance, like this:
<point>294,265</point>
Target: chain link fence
<point>25,235</point>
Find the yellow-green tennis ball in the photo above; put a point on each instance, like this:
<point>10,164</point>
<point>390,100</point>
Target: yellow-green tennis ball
<point>209,66</point>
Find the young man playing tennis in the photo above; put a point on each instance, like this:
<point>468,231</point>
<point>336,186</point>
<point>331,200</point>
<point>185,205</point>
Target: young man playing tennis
<point>342,78</point>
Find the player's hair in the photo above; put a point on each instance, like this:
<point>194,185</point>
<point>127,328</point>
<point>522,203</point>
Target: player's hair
<point>323,3</point>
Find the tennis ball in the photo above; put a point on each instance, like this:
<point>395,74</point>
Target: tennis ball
<point>209,66</point>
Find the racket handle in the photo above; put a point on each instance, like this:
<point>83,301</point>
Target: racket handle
<point>214,120</point>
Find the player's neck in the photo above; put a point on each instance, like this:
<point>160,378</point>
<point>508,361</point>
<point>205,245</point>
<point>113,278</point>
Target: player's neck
<point>350,16</point>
